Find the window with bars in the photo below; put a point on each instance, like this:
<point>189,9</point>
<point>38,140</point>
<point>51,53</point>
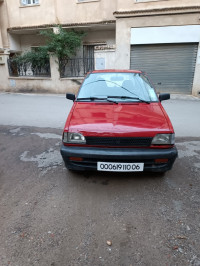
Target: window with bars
<point>29,2</point>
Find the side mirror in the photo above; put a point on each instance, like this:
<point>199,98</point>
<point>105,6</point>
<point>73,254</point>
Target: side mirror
<point>70,96</point>
<point>164,96</point>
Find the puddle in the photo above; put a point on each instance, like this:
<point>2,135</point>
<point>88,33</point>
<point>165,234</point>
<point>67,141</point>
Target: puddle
<point>15,130</point>
<point>188,149</point>
<point>45,161</point>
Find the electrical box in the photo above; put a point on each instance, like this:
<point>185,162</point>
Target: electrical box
<point>2,59</point>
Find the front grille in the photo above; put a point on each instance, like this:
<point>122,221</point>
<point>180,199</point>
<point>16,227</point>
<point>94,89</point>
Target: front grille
<point>119,141</point>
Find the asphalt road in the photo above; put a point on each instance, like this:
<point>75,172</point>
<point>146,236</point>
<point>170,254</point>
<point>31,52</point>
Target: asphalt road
<point>50,216</point>
<point>51,111</point>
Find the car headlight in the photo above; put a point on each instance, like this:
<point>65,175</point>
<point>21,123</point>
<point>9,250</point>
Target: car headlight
<point>163,139</point>
<point>70,137</point>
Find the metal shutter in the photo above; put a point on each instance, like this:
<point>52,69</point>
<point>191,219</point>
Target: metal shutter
<point>170,66</point>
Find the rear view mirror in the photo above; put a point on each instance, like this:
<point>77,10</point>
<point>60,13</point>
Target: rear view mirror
<point>164,96</point>
<point>70,96</point>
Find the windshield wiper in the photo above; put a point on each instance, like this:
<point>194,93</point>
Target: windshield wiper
<point>92,98</point>
<point>96,98</point>
<point>108,98</point>
<point>127,97</point>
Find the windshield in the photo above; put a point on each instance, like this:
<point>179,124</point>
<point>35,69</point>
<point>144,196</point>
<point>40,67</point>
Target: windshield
<point>122,87</point>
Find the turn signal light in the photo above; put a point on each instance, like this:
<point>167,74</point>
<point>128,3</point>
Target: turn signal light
<point>161,160</point>
<point>77,159</point>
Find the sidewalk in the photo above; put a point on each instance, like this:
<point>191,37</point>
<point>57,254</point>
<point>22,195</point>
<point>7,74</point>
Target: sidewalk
<point>184,112</point>
<point>184,97</point>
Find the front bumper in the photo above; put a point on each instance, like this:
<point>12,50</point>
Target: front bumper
<point>91,155</point>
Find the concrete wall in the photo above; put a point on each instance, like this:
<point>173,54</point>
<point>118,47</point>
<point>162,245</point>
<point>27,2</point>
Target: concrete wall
<point>15,44</point>
<point>79,12</point>
<point>24,42</point>
<point>4,83</point>
<point>4,24</point>
<point>30,40</point>
<point>20,16</point>
<point>57,11</point>
<point>108,58</point>
<point>4,44</point>
<point>32,84</point>
<point>149,4</point>
<point>1,22</point>
<point>196,83</point>
<point>100,36</point>
<point>1,41</point>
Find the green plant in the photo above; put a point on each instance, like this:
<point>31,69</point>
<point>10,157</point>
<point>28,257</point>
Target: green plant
<point>37,58</point>
<point>64,43</point>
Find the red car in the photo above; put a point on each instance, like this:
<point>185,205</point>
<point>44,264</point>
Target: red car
<point>117,123</point>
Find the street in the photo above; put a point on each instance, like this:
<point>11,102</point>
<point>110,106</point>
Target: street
<point>50,216</point>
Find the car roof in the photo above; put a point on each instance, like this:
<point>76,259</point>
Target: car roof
<point>116,70</point>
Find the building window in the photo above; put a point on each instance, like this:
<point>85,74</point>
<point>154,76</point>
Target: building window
<point>29,2</point>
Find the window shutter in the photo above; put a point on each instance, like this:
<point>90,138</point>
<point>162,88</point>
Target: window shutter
<point>23,2</point>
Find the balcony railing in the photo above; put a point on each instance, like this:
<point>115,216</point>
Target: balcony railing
<point>76,67</point>
<point>27,69</point>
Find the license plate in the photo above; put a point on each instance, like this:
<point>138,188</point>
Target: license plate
<point>120,167</point>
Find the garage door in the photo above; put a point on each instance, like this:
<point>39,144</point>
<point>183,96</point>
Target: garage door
<point>170,66</point>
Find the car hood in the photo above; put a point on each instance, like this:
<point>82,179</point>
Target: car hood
<point>126,119</point>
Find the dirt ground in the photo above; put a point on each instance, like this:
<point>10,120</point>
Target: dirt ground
<point>52,217</point>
